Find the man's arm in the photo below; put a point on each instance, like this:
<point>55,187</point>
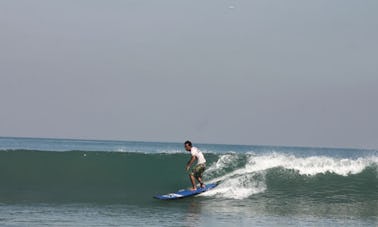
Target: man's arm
<point>190,162</point>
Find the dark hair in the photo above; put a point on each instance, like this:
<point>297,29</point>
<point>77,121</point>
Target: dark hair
<point>188,143</point>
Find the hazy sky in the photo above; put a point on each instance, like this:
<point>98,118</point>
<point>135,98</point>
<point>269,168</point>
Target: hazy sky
<point>302,73</point>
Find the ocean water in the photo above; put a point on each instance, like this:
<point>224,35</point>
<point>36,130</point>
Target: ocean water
<point>61,182</point>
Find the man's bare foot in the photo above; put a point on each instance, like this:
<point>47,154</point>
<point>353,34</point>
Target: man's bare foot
<point>203,185</point>
<point>193,189</point>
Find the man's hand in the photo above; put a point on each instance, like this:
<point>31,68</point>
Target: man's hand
<point>187,168</point>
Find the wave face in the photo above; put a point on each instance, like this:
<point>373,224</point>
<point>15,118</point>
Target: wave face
<point>134,177</point>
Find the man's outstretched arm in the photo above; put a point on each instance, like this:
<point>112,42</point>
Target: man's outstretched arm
<point>190,162</point>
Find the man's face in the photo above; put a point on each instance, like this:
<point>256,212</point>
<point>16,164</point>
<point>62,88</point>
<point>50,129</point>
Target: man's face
<point>187,147</point>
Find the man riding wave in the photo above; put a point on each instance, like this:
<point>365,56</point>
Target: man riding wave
<point>198,170</point>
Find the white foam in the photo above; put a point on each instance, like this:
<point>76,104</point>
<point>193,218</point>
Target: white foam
<point>121,150</point>
<point>239,187</point>
<point>224,161</point>
<point>250,179</point>
<point>173,151</point>
<point>310,165</point>
<point>238,184</point>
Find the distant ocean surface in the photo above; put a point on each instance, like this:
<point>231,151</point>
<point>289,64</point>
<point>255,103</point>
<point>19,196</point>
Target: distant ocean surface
<point>65,182</point>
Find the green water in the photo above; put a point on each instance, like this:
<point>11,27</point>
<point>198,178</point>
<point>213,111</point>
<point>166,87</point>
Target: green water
<point>261,186</point>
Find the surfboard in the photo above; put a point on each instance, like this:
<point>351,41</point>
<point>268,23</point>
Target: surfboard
<point>183,193</point>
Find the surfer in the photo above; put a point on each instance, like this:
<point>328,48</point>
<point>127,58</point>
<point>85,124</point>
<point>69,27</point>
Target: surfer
<point>198,170</point>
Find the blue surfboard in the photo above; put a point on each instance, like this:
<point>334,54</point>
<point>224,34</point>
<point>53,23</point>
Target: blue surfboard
<point>183,193</point>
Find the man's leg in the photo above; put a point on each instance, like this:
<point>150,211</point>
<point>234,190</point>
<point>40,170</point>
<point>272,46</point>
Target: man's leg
<point>200,171</point>
<point>193,182</point>
<point>199,179</point>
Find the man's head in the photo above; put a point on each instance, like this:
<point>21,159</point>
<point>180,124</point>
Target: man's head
<point>188,145</point>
